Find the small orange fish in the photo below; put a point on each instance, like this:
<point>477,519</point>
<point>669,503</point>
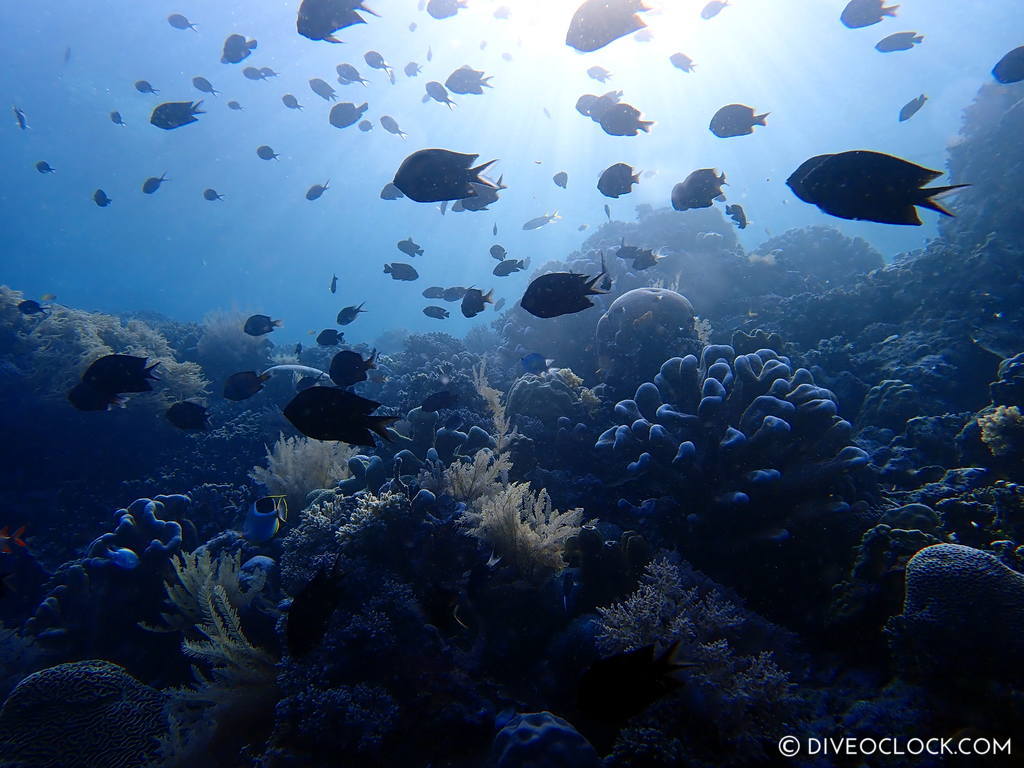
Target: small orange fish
<point>6,539</point>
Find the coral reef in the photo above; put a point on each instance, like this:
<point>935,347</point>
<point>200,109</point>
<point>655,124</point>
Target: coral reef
<point>81,715</point>
<point>541,740</point>
<point>296,466</point>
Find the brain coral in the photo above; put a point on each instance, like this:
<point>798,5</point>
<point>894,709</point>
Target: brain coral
<point>963,610</point>
<point>541,740</point>
<point>640,329</point>
<point>81,715</point>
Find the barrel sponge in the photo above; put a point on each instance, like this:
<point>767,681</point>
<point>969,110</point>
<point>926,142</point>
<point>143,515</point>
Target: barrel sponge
<point>961,604</point>
<point>541,740</point>
<point>81,715</point>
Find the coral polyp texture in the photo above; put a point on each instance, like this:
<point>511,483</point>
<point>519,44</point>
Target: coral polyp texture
<point>753,451</point>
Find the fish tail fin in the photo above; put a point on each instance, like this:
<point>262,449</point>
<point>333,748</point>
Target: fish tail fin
<point>379,424</point>
<point>554,216</point>
<point>890,10</point>
<point>761,119</point>
<point>16,537</point>
<point>330,39</point>
<point>488,298</point>
<point>403,135</point>
<point>481,168</point>
<point>928,197</point>
<point>277,323</point>
<point>387,269</point>
<point>151,370</point>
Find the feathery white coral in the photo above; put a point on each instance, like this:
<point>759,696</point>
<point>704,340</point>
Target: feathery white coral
<point>297,466</point>
<point>472,481</point>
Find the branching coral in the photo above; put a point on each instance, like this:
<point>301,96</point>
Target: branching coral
<point>472,481</point>
<point>298,465</point>
<point>523,528</point>
<point>503,430</point>
<point>749,693</point>
<point>60,346</point>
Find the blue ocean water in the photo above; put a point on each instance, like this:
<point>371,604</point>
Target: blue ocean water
<point>688,493</point>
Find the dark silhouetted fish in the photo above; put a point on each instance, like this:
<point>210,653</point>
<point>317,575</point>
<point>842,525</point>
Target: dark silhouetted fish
<point>188,415</point>
<point>868,186</point>
<point>252,73</point>
<point>614,689</point>
<point>735,120</point>
<point>535,362</point>
<point>320,19</point>
<point>348,314</point>
<point>910,109</point>
<point>465,80</point>
<point>236,49</point>
<point>498,252</point>
<point>347,74</point>
<point>623,120</point>
<point>444,9</point>
<point>348,367</point>
<point>346,113</point>
<point>433,175</point>
<point>508,266</point>
<point>178,21</point>
<point>561,179</point>
<point>439,400</point>
<point>455,293</point>
<point>115,118</point>
<point>400,271</point>
<point>438,313</point>
<point>334,284</point>
<point>560,293</point>
<point>899,41</point>
<point>374,60</point>
<point>235,106</point>
<point>290,101</point>
<point>713,8</point>
<point>365,126</point>
<point>389,124</point>
<point>311,609</point>
<point>264,152</point>
<point>314,193</point>
<point>32,307</point>
<point>474,301</point>
<point>409,248</point>
<point>598,22</point>
<point>617,180</point>
<point>174,114</point>
<point>110,376</point>
<point>600,74</point>
<point>698,190</point>
<point>1010,68</point>
<point>20,119</point>
<point>433,292</point>
<point>329,337</point>
<point>682,61</point>
<point>607,213</point>
<point>211,195</point>
<point>864,13</point>
<point>100,198</point>
<point>259,325</point>
<point>44,167</point>
<point>438,93</point>
<point>483,195</point>
<point>412,69</point>
<point>243,385</point>
<point>737,214</point>
<point>323,89</point>
<point>143,86</point>
<point>204,85</point>
<point>152,184</point>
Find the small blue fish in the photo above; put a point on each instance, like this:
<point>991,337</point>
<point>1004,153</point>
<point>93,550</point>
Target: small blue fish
<point>535,362</point>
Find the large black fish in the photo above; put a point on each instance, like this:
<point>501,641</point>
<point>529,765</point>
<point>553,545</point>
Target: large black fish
<point>188,415</point>
<point>735,120</point>
<point>348,367</point>
<point>244,384</point>
<point>108,377</point>
<point>174,114</point>
<point>617,180</point>
<point>623,120</point>
<point>561,293</point>
<point>260,325</point>
<point>434,175</point>
<point>236,49</point>
<point>467,80</point>
<point>320,19</point>
<point>328,413</point>
<point>400,271</point>
<point>698,190</point>
<point>868,186</point>
<point>598,22</point>
<point>864,13</point>
<point>348,314</point>
<point>475,301</point>
<point>346,113</point>
<point>311,609</point>
<point>1010,68</point>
